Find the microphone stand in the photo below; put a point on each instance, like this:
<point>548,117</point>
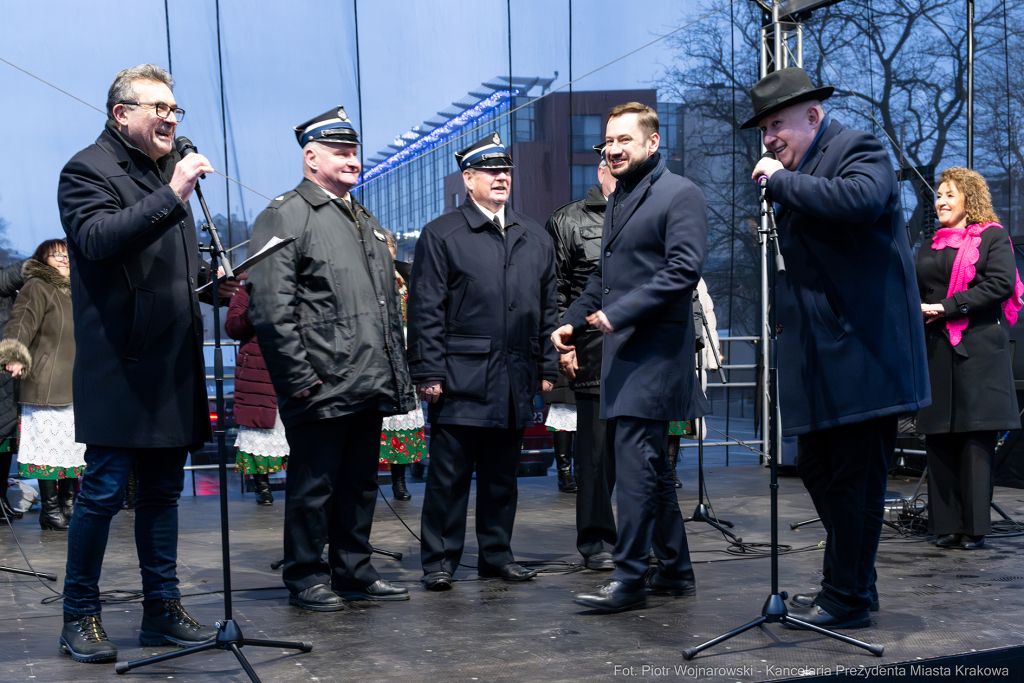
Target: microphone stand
<point>229,634</point>
<point>701,514</point>
<point>774,609</point>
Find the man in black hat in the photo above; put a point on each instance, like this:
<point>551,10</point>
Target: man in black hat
<point>640,298</point>
<point>576,231</point>
<point>481,310</point>
<point>851,339</point>
<point>329,322</point>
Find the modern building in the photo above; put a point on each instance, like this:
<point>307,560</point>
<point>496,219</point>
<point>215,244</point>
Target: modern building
<point>550,136</point>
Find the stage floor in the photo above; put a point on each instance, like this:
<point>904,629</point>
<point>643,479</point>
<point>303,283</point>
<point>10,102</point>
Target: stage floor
<point>934,603</point>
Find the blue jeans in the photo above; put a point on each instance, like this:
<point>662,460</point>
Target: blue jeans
<point>161,475</point>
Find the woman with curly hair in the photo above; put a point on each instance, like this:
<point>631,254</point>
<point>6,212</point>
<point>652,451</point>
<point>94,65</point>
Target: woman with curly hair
<point>39,347</point>
<point>970,293</point>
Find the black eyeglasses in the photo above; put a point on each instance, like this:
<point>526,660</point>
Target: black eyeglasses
<point>163,110</point>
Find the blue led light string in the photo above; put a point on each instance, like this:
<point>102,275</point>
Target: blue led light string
<point>511,111</point>
<point>436,137</point>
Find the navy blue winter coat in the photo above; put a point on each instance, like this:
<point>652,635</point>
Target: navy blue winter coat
<point>852,341</point>
<point>481,313</point>
<point>651,261</point>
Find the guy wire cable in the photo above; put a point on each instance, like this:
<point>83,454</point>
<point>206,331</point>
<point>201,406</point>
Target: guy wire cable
<point>451,140</point>
<point>750,448</point>
<point>561,87</point>
<point>856,97</point>
<point>105,113</point>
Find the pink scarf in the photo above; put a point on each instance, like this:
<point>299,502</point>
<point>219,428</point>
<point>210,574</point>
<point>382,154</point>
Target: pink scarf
<point>966,241</point>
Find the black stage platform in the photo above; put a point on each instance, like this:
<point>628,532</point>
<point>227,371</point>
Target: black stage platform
<point>934,604</point>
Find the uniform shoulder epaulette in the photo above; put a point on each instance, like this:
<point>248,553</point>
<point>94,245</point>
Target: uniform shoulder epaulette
<point>277,201</point>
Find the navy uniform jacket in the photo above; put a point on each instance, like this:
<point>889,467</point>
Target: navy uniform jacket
<point>852,342</point>
<point>139,374</point>
<point>651,261</point>
<point>481,313</point>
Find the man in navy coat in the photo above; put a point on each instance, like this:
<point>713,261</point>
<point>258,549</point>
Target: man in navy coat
<point>641,298</point>
<point>851,342</point>
<point>481,312</point>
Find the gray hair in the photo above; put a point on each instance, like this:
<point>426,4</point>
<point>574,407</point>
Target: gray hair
<point>603,163</point>
<point>122,89</point>
<point>391,239</point>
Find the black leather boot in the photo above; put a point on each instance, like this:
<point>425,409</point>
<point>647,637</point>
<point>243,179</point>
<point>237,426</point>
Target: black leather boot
<point>563,461</point>
<point>67,490</point>
<point>261,482</point>
<point>50,517</point>
<point>673,458</point>
<point>5,469</point>
<point>85,640</point>
<point>398,483</point>
<point>8,510</point>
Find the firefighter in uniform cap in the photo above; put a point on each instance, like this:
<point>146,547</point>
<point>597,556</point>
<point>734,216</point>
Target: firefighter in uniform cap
<point>481,312</point>
<point>329,323</point>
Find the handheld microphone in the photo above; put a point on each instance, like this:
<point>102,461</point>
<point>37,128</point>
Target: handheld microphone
<point>762,180</point>
<point>185,147</point>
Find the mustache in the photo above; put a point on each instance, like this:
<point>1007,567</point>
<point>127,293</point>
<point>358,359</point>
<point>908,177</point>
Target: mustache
<point>499,186</point>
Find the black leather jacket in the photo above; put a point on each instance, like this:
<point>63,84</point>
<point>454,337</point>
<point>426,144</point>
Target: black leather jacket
<point>576,231</point>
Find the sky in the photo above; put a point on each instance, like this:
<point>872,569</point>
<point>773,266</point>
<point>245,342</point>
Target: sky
<point>283,64</point>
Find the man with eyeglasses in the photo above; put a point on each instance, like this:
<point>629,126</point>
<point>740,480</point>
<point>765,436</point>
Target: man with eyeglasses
<point>481,312</point>
<point>139,377</point>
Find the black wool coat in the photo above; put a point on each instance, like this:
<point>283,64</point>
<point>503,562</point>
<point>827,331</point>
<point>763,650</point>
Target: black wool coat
<point>481,313</point>
<point>139,377</point>
<point>576,231</point>
<point>651,261</point>
<point>852,342</point>
<point>972,382</point>
<point>326,311</point>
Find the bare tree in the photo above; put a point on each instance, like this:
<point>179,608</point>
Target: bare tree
<point>899,70</point>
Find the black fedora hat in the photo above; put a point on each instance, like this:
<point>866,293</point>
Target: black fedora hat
<point>783,88</point>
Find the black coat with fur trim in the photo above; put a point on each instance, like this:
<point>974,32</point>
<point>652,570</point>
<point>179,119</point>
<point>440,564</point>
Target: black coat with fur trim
<point>41,336</point>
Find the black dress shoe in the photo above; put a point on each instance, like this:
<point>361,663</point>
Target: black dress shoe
<point>807,600</point>
<point>613,597</point>
<point>174,627</point>
<point>972,542</point>
<point>437,581</point>
<point>600,561</point>
<point>378,590</point>
<point>947,541</point>
<point>656,584</point>
<point>819,617</point>
<point>509,572</point>
<point>86,641</point>
<point>318,598</point>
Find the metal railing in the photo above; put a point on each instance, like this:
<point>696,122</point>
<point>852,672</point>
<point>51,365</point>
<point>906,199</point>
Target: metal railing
<point>727,368</point>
